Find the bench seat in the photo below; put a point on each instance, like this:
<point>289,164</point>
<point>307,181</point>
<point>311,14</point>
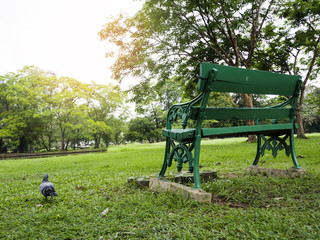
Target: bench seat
<point>185,134</point>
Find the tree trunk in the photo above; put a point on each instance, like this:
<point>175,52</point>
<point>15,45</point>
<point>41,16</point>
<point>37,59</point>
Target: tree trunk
<point>67,144</point>
<point>300,133</point>
<point>44,144</point>
<point>3,148</point>
<point>23,145</point>
<point>96,141</point>
<point>62,140</point>
<point>31,148</point>
<point>78,130</point>
<point>49,144</point>
<point>248,103</point>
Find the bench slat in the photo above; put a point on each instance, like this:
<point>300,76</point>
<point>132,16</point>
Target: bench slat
<point>183,134</point>
<point>240,80</point>
<point>206,132</point>
<point>241,113</point>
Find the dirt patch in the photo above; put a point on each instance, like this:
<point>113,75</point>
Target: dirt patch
<point>230,175</point>
<point>291,172</point>
<point>224,202</point>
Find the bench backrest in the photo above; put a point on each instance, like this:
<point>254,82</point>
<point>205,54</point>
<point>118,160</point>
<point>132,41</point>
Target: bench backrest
<point>240,80</point>
<point>217,78</point>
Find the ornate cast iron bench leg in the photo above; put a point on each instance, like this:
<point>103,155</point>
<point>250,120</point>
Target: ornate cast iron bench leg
<point>276,143</point>
<point>256,160</point>
<point>166,154</point>
<point>292,150</point>
<point>181,153</point>
<point>196,170</point>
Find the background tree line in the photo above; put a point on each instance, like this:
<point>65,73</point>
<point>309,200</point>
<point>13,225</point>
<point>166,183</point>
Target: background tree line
<point>40,111</point>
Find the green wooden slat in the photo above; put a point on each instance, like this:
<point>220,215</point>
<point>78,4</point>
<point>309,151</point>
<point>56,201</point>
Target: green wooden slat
<point>182,134</point>
<point>240,80</point>
<point>206,132</point>
<point>242,113</point>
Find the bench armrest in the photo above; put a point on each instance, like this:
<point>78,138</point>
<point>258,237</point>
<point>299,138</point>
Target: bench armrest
<point>291,101</point>
<point>182,111</point>
<point>282,105</point>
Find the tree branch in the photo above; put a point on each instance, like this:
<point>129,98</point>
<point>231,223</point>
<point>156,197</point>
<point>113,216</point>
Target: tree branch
<point>232,36</point>
<point>227,58</point>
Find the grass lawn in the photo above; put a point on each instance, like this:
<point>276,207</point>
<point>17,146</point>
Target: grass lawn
<point>246,207</point>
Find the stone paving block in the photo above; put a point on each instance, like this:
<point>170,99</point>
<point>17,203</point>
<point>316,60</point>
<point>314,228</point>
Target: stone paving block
<point>141,182</point>
<point>184,178</point>
<point>161,185</point>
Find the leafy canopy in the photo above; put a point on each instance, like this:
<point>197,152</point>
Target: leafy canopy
<point>170,38</point>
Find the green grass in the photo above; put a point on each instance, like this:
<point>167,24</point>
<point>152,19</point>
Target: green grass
<point>246,207</point>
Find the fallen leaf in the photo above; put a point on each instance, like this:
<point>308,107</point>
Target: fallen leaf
<point>278,198</point>
<point>105,211</point>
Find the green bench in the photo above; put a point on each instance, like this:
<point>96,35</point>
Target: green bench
<point>183,145</point>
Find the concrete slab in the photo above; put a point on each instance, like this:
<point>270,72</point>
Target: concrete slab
<point>140,182</point>
<point>183,177</point>
<point>188,178</point>
<point>291,172</point>
<point>161,185</point>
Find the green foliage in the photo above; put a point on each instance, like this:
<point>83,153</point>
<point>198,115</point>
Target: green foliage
<point>311,110</point>
<point>142,129</point>
<point>102,102</point>
<point>245,207</point>
<point>314,99</point>
<point>21,120</point>
<point>37,109</point>
<point>152,103</point>
<point>170,38</point>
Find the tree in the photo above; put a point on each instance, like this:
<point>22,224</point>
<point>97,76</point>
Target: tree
<point>49,86</point>
<point>154,104</point>
<point>102,102</point>
<point>118,127</point>
<point>141,129</point>
<point>311,109</point>
<point>304,16</point>
<point>293,47</point>
<point>170,38</point>
<point>21,119</point>
<point>63,105</point>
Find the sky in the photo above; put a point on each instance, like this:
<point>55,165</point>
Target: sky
<point>59,36</point>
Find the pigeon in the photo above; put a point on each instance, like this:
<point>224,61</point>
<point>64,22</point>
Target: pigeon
<point>47,188</point>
